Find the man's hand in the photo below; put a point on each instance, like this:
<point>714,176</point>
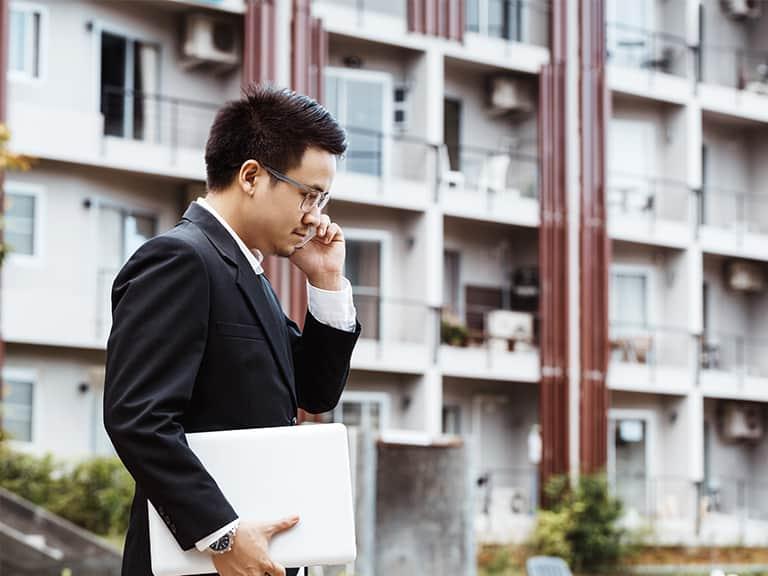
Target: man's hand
<point>322,259</point>
<point>250,552</point>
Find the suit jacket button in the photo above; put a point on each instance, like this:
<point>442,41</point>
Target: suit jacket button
<point>293,421</point>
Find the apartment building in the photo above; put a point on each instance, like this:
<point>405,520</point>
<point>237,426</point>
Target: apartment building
<point>440,197</point>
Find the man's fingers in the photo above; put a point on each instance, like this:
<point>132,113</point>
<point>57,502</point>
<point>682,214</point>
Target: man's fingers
<point>333,231</point>
<point>282,525</point>
<point>323,225</point>
<point>275,569</point>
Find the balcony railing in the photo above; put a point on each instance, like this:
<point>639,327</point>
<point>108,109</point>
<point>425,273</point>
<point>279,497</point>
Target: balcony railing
<point>649,197</point>
<point>507,490</point>
<point>651,346</point>
<point>525,21</point>
<point>516,331</point>
<point>734,210</point>
<point>658,498</point>
<point>490,173</point>
<point>734,67</point>
<point>391,8</point>
<point>375,153</point>
<point>737,496</point>
<point>735,353</point>
<point>653,50</point>
<point>156,119</point>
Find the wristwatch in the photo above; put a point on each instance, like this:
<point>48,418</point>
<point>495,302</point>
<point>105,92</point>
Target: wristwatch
<point>224,544</point>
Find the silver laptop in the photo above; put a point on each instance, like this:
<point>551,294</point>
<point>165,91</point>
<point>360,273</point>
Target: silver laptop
<point>268,474</point>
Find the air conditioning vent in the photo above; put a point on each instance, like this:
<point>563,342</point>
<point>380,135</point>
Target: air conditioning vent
<point>742,421</point>
<point>508,95</point>
<point>209,40</point>
<point>742,9</point>
<point>744,276</point>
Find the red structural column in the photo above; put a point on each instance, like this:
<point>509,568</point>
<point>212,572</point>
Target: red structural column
<point>594,246</point>
<point>259,66</point>
<point>4,24</point>
<point>309,54</point>
<point>553,254</point>
<point>443,18</point>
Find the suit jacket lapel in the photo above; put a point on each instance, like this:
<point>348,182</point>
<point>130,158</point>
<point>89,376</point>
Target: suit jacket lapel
<point>250,285</point>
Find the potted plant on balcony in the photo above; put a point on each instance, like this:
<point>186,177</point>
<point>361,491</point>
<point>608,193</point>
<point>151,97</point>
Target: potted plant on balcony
<point>452,331</point>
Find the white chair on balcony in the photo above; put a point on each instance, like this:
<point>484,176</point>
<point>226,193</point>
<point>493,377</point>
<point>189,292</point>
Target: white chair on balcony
<point>453,179</point>
<point>493,174</point>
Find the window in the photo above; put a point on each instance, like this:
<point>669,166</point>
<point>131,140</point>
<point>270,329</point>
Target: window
<point>452,282</point>
<point>27,23</point>
<point>130,72</point>
<point>361,101</point>
<point>363,269</point>
<point>365,410</point>
<point>451,419</point>
<point>121,232</point>
<point>21,218</point>
<point>629,298</point>
<point>16,402</point>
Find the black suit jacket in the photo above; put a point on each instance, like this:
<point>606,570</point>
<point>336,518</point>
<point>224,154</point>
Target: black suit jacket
<point>195,346</point>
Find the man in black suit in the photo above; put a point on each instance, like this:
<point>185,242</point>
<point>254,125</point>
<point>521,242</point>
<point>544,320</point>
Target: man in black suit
<point>199,341</point>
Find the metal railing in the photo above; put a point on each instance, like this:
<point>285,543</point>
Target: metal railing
<point>654,50</point>
<point>489,172</point>
<point>734,353</point>
<point>157,119</point>
<point>474,332</point>
<point>652,346</point>
<point>658,498</point>
<point>525,21</point>
<point>507,490</point>
<point>737,496</point>
<point>385,156</point>
<point>734,209</point>
<point>395,319</point>
<point>393,8</point>
<point>735,67</point>
<point>649,197</point>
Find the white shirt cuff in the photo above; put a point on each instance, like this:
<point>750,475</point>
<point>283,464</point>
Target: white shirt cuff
<point>204,544</point>
<point>334,308</point>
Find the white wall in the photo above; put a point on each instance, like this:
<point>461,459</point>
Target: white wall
<point>56,299</point>
<point>63,416</point>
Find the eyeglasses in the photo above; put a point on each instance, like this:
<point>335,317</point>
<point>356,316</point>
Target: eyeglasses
<point>313,198</point>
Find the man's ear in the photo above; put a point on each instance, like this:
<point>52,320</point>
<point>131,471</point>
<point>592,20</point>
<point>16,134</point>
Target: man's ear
<point>250,171</point>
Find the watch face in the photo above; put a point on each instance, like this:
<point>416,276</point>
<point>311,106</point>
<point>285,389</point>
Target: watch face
<point>221,544</point>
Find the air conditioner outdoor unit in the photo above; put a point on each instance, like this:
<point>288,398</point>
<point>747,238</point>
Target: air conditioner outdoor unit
<point>742,421</point>
<point>509,95</point>
<point>742,9</point>
<point>744,276</point>
<point>210,40</point>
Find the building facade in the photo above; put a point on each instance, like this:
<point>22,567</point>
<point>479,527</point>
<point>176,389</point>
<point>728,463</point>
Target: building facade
<point>496,272</point>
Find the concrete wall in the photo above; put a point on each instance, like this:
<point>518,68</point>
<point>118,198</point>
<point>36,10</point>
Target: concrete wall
<point>423,514</point>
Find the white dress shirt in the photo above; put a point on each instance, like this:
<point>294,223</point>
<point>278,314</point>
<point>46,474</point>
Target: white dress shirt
<point>332,308</point>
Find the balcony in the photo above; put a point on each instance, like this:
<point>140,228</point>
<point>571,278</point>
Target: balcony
<point>519,21</point>
<point>379,17</point>
<point>733,70</point>
<point>649,210</point>
<point>734,365</point>
<point>147,133</point>
<point>490,184</point>
<point>651,358</point>
<point>493,343</point>
<point>386,169</point>
<point>734,222</point>
<point>398,335</point>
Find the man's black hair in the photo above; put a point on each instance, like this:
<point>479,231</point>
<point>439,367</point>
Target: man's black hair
<point>270,125</point>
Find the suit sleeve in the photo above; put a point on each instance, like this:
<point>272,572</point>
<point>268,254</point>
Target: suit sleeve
<point>160,304</point>
<point>321,356</point>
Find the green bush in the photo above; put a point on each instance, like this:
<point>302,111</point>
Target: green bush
<point>95,494</point>
<point>582,526</point>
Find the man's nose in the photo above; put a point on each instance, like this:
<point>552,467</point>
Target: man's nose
<point>312,218</point>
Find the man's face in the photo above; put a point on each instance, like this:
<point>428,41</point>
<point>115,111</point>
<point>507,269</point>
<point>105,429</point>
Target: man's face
<point>277,211</point>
